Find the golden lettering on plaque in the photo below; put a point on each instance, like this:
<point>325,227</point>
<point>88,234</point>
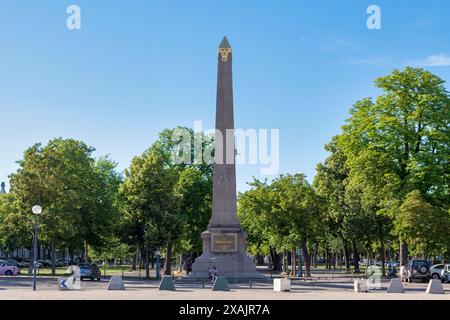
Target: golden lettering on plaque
<point>224,242</point>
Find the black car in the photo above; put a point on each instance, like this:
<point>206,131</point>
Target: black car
<point>418,269</point>
<point>90,271</point>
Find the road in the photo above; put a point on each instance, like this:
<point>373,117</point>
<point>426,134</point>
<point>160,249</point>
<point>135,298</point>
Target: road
<point>340,287</point>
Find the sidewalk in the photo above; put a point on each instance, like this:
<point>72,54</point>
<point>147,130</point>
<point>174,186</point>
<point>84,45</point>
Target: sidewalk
<point>204,294</point>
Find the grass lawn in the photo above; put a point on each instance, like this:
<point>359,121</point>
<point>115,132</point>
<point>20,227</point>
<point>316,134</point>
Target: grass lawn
<point>62,271</point>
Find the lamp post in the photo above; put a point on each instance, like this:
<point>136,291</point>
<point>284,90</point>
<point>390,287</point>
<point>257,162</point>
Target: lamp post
<point>37,210</point>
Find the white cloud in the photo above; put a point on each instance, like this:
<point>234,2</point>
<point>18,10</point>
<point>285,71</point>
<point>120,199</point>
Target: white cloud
<point>338,41</point>
<point>374,62</point>
<point>438,60</point>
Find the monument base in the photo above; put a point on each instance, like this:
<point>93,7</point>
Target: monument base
<point>224,248</point>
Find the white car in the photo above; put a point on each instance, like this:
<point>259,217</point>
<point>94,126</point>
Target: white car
<point>435,270</point>
<point>445,273</point>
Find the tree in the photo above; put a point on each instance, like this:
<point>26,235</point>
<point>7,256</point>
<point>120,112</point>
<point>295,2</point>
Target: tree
<point>423,226</point>
<point>400,142</point>
<point>15,228</point>
<point>283,215</point>
<point>151,203</point>
<point>195,180</point>
<point>62,178</point>
<point>113,248</point>
<point>195,188</point>
<point>100,223</point>
<point>254,208</point>
<point>344,215</point>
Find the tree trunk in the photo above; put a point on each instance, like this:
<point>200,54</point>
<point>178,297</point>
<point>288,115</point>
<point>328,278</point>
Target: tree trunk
<point>306,258</point>
<point>278,262</point>
<point>355,255</point>
<point>142,257</point>
<point>30,268</point>
<point>260,259</point>
<point>383,258</point>
<point>133,265</point>
<point>346,255</point>
<point>293,263</point>
<point>86,253</point>
<point>147,270</point>
<point>168,262</point>
<point>316,253</point>
<point>403,253</point>
<point>53,260</point>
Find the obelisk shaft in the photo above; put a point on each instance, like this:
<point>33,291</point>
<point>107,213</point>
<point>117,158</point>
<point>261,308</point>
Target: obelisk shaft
<point>224,213</point>
<point>224,243</point>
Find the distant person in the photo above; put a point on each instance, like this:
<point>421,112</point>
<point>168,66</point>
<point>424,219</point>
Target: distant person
<point>213,273</point>
<point>187,265</point>
<point>403,273</point>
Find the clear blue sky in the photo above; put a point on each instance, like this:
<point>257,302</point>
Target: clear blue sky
<point>137,67</point>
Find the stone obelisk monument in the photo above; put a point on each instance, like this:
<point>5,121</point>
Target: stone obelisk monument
<point>224,243</point>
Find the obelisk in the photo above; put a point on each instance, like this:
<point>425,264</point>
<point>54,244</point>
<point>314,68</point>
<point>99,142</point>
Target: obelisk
<point>224,243</point>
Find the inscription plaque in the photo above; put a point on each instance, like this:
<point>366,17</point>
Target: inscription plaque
<point>224,242</point>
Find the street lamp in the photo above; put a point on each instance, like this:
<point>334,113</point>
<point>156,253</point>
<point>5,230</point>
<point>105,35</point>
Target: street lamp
<point>37,210</point>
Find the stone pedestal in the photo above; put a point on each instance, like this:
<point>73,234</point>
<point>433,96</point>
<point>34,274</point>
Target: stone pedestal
<point>224,249</point>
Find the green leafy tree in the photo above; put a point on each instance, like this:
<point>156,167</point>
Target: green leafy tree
<point>283,215</point>
<point>400,142</point>
<point>61,178</point>
<point>194,177</point>
<point>15,227</point>
<point>151,203</point>
<point>254,207</point>
<point>423,226</point>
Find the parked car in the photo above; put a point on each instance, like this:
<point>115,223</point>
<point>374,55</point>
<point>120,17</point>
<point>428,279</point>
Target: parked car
<point>445,273</point>
<point>5,262</point>
<point>26,264</point>
<point>7,269</point>
<point>63,263</point>
<point>435,270</point>
<point>9,262</point>
<point>418,269</point>
<point>90,271</point>
<point>392,264</point>
<point>45,263</point>
<point>321,261</point>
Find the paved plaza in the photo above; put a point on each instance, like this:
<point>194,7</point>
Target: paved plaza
<point>340,288</point>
